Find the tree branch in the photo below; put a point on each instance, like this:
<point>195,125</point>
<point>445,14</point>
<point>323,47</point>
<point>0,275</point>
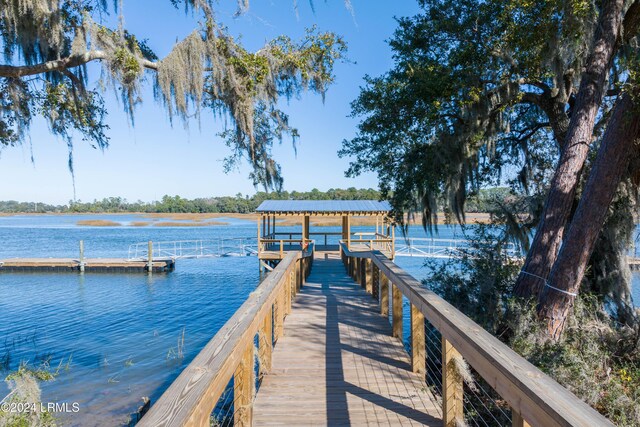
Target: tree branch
<point>61,65</point>
<point>631,22</point>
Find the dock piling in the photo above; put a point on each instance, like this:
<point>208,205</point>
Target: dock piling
<point>150,257</point>
<point>81,256</point>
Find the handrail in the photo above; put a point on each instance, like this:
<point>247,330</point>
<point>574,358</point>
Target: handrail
<point>266,244</point>
<point>534,396</point>
<point>191,398</point>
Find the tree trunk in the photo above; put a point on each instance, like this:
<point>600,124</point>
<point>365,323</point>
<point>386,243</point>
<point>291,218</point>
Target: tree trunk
<point>557,209</point>
<point>618,143</point>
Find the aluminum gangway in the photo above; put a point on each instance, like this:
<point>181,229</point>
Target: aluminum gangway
<point>439,248</point>
<point>185,249</point>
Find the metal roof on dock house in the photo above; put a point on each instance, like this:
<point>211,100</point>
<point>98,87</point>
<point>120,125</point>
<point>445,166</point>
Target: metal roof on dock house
<point>324,207</point>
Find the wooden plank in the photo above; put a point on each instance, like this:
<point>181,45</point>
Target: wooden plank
<point>418,349</point>
<point>534,395</point>
<point>243,384</point>
<point>452,387</point>
<point>397,311</point>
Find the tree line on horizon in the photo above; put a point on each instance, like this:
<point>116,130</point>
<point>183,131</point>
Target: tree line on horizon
<point>485,200</point>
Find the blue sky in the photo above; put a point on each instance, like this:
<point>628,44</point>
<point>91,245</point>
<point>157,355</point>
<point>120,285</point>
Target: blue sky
<point>152,158</point>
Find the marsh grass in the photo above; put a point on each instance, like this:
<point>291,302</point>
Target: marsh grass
<point>177,353</point>
<point>98,223</point>
<point>24,388</point>
<point>188,224</point>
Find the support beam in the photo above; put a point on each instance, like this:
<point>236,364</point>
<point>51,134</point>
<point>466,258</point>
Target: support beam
<point>452,397</point>
<point>418,349</point>
<point>397,312</point>
<point>269,226</point>
<point>305,228</point>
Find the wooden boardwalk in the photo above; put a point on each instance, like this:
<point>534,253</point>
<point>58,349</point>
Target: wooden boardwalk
<point>338,364</point>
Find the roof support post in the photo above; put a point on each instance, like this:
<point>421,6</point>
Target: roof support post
<point>305,229</point>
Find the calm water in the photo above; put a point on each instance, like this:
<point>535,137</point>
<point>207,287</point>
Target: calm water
<point>118,334</point>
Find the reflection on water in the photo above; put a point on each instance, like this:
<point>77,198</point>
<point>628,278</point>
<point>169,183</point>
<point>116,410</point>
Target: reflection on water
<point>115,337</point>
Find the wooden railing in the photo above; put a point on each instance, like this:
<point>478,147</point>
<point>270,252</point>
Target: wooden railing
<point>283,245</point>
<point>534,398</point>
<point>192,397</point>
<point>379,242</point>
<point>314,235</point>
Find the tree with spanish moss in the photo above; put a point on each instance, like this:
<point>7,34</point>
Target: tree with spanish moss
<point>48,45</point>
<point>503,90</point>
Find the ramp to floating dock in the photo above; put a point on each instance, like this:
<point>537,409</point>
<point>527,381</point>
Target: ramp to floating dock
<point>338,364</point>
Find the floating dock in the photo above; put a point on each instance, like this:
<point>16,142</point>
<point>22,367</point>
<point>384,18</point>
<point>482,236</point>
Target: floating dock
<point>91,265</point>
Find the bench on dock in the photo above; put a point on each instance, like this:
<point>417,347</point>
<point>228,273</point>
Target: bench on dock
<point>325,330</point>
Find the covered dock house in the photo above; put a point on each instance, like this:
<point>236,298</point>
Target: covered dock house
<point>273,244</point>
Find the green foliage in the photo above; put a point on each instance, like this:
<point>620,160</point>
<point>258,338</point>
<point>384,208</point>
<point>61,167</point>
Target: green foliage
<point>47,45</point>
<point>25,389</point>
<point>481,280</point>
<point>598,359</point>
<point>479,95</point>
<point>177,204</point>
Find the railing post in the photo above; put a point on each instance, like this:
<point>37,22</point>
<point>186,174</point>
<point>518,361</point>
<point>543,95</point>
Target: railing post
<point>375,281</point>
<point>452,397</point>
<point>418,356</point>
<point>304,270</point>
<point>281,250</point>
<point>287,294</point>
<point>267,331</point>
<point>363,273</point>
<point>298,278</point>
<point>292,282</point>
<point>517,420</point>
<point>368,275</point>
<point>397,312</point>
<point>279,315</point>
<point>384,295</point>
<point>243,380</point>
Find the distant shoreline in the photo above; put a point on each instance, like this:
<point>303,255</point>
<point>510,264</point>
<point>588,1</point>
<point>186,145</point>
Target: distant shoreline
<point>200,219</point>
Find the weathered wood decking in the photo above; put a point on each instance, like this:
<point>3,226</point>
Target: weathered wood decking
<point>338,364</point>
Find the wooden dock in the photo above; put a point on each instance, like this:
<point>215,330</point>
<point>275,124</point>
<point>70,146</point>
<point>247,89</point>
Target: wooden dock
<point>337,363</point>
<point>328,343</point>
<point>91,265</point>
